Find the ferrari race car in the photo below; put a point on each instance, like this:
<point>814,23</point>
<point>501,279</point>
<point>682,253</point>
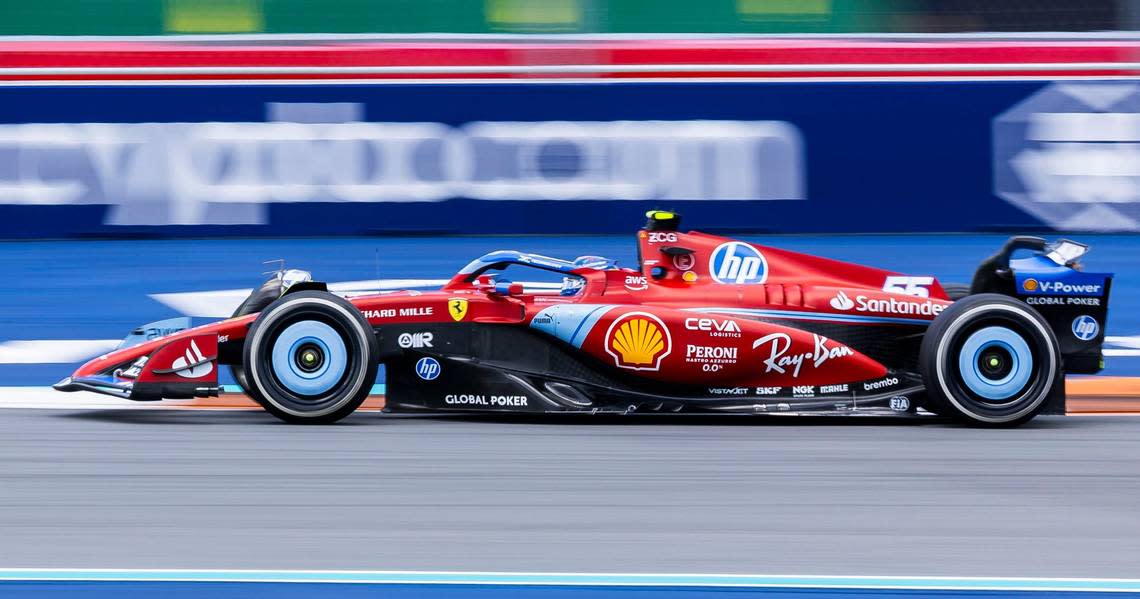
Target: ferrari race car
<point>703,324</point>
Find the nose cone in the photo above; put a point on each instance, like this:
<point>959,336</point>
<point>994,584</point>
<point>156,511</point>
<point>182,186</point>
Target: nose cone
<point>64,385</point>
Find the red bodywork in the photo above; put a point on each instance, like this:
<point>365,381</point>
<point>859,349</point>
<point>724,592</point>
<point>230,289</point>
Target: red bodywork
<point>682,318</point>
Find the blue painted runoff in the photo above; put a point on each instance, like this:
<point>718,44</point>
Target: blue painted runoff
<point>431,585</point>
<point>308,590</point>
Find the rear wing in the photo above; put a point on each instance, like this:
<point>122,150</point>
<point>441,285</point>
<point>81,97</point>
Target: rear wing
<point>1052,279</point>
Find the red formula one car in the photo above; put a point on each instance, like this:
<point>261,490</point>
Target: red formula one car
<point>704,324</point>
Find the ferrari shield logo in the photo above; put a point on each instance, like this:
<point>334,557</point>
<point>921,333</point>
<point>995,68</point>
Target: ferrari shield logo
<point>457,308</point>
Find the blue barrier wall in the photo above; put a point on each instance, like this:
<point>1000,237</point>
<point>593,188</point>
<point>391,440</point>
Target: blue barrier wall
<point>478,158</point>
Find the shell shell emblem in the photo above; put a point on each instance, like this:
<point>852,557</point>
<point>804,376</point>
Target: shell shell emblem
<point>638,341</point>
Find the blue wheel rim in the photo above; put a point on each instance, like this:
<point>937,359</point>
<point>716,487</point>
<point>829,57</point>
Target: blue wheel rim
<point>1009,385</point>
<point>313,334</point>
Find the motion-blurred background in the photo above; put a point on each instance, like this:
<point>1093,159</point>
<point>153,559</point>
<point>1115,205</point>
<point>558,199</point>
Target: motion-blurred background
<point>156,17</point>
<point>153,153</point>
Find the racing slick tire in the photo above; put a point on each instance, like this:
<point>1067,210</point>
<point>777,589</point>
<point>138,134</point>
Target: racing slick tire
<point>310,357</point>
<point>989,360</point>
<point>257,301</point>
<point>956,291</point>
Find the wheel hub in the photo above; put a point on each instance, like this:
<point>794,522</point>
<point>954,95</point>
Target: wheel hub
<point>309,357</point>
<point>995,363</point>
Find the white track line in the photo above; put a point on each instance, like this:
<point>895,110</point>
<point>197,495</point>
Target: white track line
<point>1123,341</point>
<point>46,398</point>
<point>53,351</point>
<point>221,303</point>
<point>924,583</point>
<point>1122,346</point>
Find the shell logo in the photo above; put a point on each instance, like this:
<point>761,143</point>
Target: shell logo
<point>638,341</point>
<point>1029,285</point>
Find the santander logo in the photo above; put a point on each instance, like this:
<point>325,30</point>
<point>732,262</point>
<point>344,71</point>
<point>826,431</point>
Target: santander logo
<point>901,306</point>
<point>842,302</point>
<point>193,365</point>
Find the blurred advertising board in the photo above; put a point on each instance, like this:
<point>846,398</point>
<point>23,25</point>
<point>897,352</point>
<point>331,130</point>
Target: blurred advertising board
<point>1069,155</point>
<point>850,147</point>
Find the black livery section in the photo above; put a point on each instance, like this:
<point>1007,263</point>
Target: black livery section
<point>475,367</point>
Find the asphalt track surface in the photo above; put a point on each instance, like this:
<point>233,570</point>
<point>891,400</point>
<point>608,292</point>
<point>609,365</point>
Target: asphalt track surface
<point>224,489</point>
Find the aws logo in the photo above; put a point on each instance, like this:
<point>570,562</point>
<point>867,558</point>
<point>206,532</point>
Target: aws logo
<point>638,341</point>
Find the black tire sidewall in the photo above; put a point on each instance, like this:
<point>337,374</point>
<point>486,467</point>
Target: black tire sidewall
<point>256,301</point>
<point>956,291</point>
<point>325,307</point>
<point>939,368</point>
<point>240,378</point>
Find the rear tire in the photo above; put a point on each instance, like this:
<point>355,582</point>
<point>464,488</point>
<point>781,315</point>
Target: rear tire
<point>310,358</point>
<point>989,360</point>
<point>956,291</point>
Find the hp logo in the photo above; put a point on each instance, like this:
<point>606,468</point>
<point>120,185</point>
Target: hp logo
<point>737,262</point>
<point>428,369</point>
<point>1085,327</point>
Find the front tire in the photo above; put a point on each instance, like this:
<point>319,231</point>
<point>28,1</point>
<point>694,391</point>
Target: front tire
<point>310,357</point>
<point>257,301</point>
<point>989,360</point>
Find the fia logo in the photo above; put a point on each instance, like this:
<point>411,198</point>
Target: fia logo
<point>428,369</point>
<point>1085,327</point>
<point>737,262</point>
